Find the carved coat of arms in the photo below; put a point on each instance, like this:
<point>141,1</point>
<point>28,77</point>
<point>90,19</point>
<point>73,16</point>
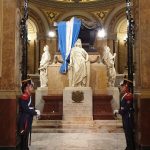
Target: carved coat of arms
<point>77,96</point>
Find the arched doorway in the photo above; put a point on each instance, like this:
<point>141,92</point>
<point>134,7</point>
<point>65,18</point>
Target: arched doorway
<point>32,37</point>
<point>121,30</point>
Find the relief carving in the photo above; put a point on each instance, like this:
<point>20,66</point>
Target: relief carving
<point>51,15</point>
<point>77,96</point>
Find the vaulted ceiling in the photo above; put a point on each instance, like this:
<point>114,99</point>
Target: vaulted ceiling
<point>77,3</point>
<point>81,1</point>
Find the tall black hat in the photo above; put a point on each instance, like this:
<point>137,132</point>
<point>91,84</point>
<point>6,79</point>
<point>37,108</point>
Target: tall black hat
<point>126,81</point>
<point>25,83</point>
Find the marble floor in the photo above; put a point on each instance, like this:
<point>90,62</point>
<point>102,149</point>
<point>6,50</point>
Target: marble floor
<point>102,135</point>
<point>78,141</point>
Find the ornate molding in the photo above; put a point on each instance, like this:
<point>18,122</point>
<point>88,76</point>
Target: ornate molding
<point>101,15</point>
<point>8,84</point>
<point>75,1</point>
<point>87,5</point>
<point>142,93</point>
<point>97,59</point>
<point>112,14</point>
<point>86,15</point>
<point>51,15</point>
<point>36,13</point>
<point>34,16</point>
<point>59,60</point>
<point>9,94</point>
<point>115,19</point>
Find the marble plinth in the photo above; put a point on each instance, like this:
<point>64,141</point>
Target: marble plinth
<point>114,91</point>
<point>102,109</point>
<point>75,111</point>
<point>39,93</point>
<point>52,107</point>
<point>56,80</point>
<point>97,78</point>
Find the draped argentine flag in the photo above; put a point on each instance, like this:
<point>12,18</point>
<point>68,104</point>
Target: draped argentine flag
<point>67,35</point>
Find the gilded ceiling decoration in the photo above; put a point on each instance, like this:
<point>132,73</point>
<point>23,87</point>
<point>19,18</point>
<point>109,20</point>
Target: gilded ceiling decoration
<point>72,1</point>
<point>101,14</point>
<point>84,4</point>
<point>51,15</point>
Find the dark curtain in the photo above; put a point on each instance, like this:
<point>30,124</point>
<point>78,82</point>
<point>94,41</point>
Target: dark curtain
<point>88,33</point>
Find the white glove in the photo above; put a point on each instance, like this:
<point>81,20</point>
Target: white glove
<point>116,111</point>
<point>38,114</point>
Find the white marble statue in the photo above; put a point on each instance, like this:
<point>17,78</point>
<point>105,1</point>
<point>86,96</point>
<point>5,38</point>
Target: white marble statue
<point>78,74</point>
<point>45,60</point>
<point>109,60</point>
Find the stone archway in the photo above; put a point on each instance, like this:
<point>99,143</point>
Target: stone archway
<point>81,14</point>
<point>121,30</point>
<point>116,27</point>
<point>32,51</point>
<point>39,27</point>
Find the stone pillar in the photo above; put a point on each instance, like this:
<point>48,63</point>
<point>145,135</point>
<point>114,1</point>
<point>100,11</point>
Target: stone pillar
<point>142,87</point>
<point>39,93</point>
<point>1,36</point>
<point>9,71</point>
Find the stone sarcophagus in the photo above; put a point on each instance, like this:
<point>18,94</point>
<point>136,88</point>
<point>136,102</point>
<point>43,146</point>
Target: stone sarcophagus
<point>97,79</point>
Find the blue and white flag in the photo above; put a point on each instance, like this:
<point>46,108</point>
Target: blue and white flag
<point>67,35</point>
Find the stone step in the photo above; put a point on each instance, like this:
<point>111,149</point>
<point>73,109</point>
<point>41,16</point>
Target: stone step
<point>63,130</point>
<point>59,126</point>
<point>63,122</point>
<point>101,129</point>
<point>100,122</point>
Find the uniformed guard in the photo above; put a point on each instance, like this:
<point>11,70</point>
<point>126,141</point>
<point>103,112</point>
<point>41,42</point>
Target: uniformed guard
<point>26,113</point>
<point>126,111</point>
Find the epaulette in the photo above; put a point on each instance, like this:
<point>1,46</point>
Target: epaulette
<point>25,96</point>
<point>129,97</point>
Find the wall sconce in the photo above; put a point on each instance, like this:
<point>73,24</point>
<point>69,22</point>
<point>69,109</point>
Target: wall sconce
<point>52,34</point>
<point>101,33</point>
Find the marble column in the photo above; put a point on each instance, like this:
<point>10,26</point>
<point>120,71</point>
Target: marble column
<point>1,36</point>
<point>9,71</point>
<point>142,86</point>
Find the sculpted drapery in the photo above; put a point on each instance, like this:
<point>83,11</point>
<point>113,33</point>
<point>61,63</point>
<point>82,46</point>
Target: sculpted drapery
<point>45,60</point>
<point>78,65</point>
<point>109,61</point>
